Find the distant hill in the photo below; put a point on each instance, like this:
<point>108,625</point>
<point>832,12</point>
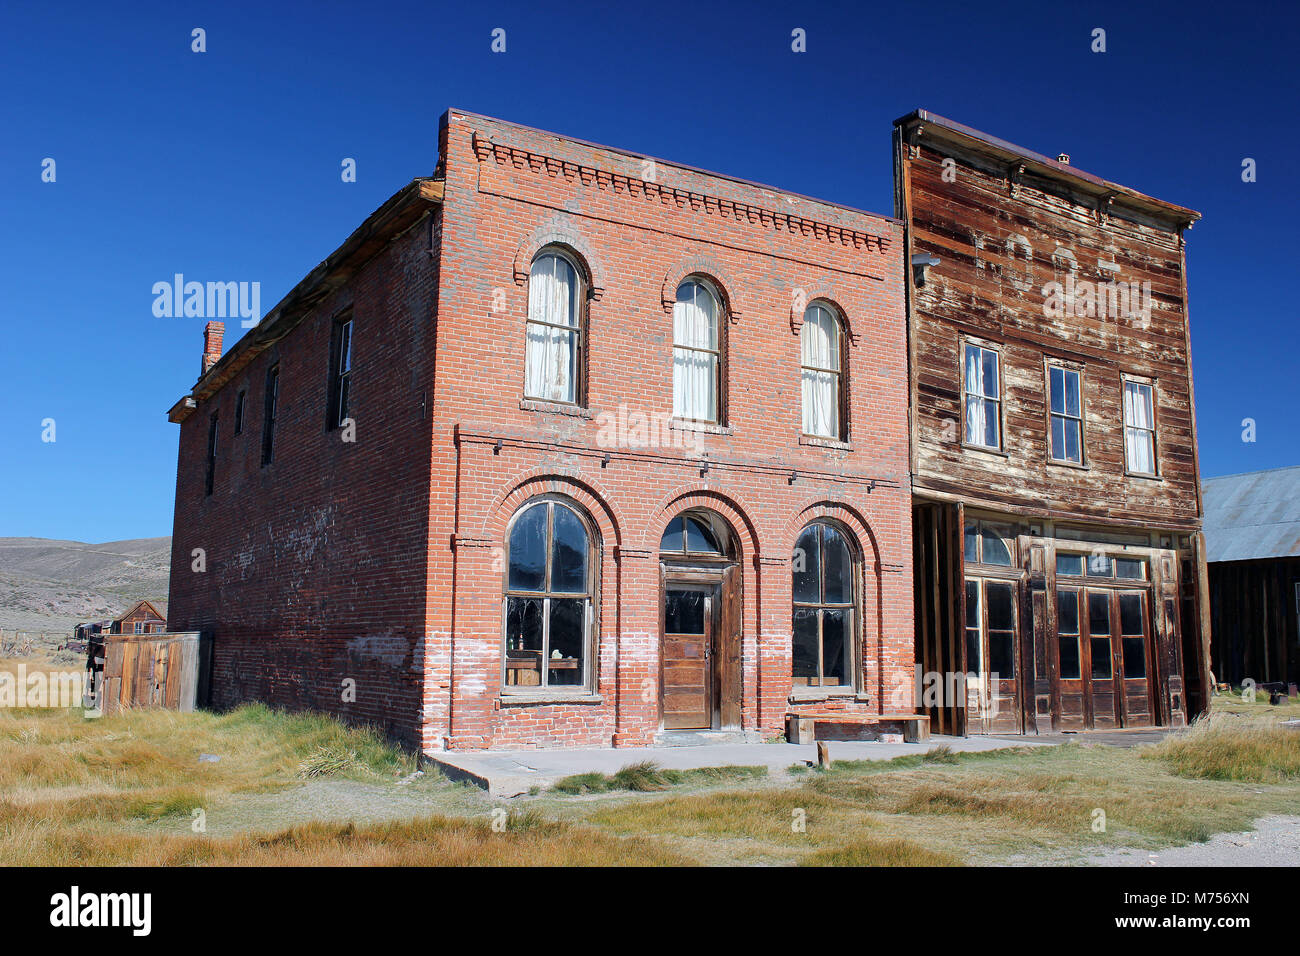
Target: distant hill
<point>48,585</point>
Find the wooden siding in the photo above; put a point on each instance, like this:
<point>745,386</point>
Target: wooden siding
<point>1256,620</point>
<point>1000,243</point>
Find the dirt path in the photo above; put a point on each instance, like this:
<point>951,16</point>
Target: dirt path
<point>1275,841</point>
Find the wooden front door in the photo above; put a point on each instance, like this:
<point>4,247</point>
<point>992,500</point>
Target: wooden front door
<point>1099,662</point>
<point>1103,659</point>
<point>993,681</point>
<point>687,690</point>
<point>1133,658</point>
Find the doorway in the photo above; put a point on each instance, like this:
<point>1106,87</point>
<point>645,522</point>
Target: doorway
<point>688,691</point>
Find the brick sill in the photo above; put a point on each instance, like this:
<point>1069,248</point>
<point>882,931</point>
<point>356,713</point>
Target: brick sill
<point>522,700</point>
<point>555,408</point>
<point>819,442</point>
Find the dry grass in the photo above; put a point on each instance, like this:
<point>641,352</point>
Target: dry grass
<point>1225,746</point>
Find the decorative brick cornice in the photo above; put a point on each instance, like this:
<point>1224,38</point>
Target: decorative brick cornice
<point>637,188</point>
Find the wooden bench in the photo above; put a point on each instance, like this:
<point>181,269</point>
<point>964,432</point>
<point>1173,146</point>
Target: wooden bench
<point>802,728</point>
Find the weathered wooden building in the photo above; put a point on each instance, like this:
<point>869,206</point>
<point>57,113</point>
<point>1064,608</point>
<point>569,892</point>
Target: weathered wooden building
<point>1059,563</point>
<point>1252,537</point>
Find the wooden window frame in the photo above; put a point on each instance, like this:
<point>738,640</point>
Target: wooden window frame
<point>591,596</point>
<point>339,379</point>
<point>270,412</point>
<point>1004,531</point>
<point>720,375</point>
<point>1050,363</point>
<point>840,373</point>
<point>1149,383</point>
<point>996,348</point>
<point>210,472</point>
<point>578,329</point>
<point>854,649</point>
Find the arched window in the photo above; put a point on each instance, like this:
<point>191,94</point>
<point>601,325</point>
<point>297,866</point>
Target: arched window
<point>549,598</point>
<point>691,533</point>
<point>820,360</point>
<point>825,605</point>
<point>554,358</point>
<point>697,356</point>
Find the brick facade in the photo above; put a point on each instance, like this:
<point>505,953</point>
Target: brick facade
<point>380,560</point>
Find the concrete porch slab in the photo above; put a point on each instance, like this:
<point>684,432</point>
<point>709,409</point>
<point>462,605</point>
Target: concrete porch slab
<point>510,773</point>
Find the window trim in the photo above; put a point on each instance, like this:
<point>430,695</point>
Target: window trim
<point>578,329</point>
<point>584,690</point>
<point>965,342</point>
<point>720,375</point>
<point>840,373</point>
<point>1151,384</point>
<point>1050,363</point>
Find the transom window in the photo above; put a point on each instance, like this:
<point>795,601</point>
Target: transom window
<point>548,598</point>
<point>554,350</point>
<point>697,356</point>
<point>820,362</point>
<point>1139,428</point>
<point>1066,415</point>
<point>692,534</point>
<point>824,606</point>
<point>983,397</point>
<point>987,544</point>
<point>1100,565</point>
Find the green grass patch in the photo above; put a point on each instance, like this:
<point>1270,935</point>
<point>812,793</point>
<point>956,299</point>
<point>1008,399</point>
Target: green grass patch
<point>1228,747</point>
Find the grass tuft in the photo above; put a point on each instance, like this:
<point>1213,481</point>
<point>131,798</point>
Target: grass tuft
<point>1229,747</point>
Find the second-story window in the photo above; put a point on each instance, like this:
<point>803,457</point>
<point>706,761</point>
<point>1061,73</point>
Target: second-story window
<point>697,364</point>
<point>270,410</point>
<point>554,349</point>
<point>820,358</point>
<point>210,477</point>
<point>1139,428</point>
<point>239,412</point>
<point>340,381</point>
<point>1066,411</point>
<point>983,397</point>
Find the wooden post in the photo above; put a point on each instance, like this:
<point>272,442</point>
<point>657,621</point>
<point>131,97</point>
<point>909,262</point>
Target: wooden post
<point>823,755</point>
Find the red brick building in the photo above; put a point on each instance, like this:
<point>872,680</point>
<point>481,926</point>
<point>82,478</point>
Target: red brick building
<point>564,446</point>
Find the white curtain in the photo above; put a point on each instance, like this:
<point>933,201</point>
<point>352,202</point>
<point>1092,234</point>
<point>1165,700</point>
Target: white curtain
<point>1139,425</point>
<point>695,373</point>
<point>552,355</point>
<point>819,342</point>
<point>976,419</point>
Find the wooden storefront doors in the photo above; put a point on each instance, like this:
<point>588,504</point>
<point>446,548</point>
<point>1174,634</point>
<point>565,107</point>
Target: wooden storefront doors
<point>1103,646</point>
<point>688,689</point>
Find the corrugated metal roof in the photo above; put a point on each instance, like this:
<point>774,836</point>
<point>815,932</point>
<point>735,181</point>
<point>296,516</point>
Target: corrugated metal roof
<point>1255,515</point>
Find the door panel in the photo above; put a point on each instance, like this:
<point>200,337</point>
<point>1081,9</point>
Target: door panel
<point>992,689</point>
<point>1133,658</point>
<point>1099,664</point>
<point>687,692</point>
<point>1070,661</point>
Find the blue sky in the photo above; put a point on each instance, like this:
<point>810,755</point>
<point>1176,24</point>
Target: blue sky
<point>225,165</point>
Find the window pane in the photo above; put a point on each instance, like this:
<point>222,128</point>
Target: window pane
<point>974,660</point>
<point>568,619</point>
<point>1099,613</point>
<point>804,650</point>
<point>1058,390</point>
<point>1067,612</point>
<point>1131,568</point>
<point>974,420</point>
<point>524,641</point>
<point>819,345</point>
<point>1069,564</point>
<point>1002,654</point>
<point>684,612</point>
<point>569,552</point>
<point>695,385</point>
<point>990,373</point>
<point>1073,442</point>
<point>972,543</point>
<point>1135,660</point>
<point>1070,658</point>
<point>699,538</point>
<point>528,551</point>
<point>1058,438</point>
<point>835,645</point>
<point>551,363</point>
<point>995,549</point>
<point>991,424</point>
<point>1099,566</point>
<point>695,317</point>
<point>1130,615</point>
<point>973,604</point>
<point>1001,615</point>
<point>821,399</point>
<point>672,539</point>
<point>837,566</point>
<point>1072,393</point>
<point>807,567</point>
<point>1101,658</point>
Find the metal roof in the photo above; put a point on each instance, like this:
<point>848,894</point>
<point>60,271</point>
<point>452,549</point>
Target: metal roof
<point>1253,515</point>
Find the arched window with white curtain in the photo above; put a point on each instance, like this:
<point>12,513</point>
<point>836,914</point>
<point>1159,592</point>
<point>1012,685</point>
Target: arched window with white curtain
<point>820,359</point>
<point>554,353</point>
<point>697,356</point>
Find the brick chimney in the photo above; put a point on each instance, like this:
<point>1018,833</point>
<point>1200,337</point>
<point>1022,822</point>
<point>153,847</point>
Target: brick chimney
<point>213,333</point>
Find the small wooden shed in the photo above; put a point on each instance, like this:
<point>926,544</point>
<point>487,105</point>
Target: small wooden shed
<point>171,670</point>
